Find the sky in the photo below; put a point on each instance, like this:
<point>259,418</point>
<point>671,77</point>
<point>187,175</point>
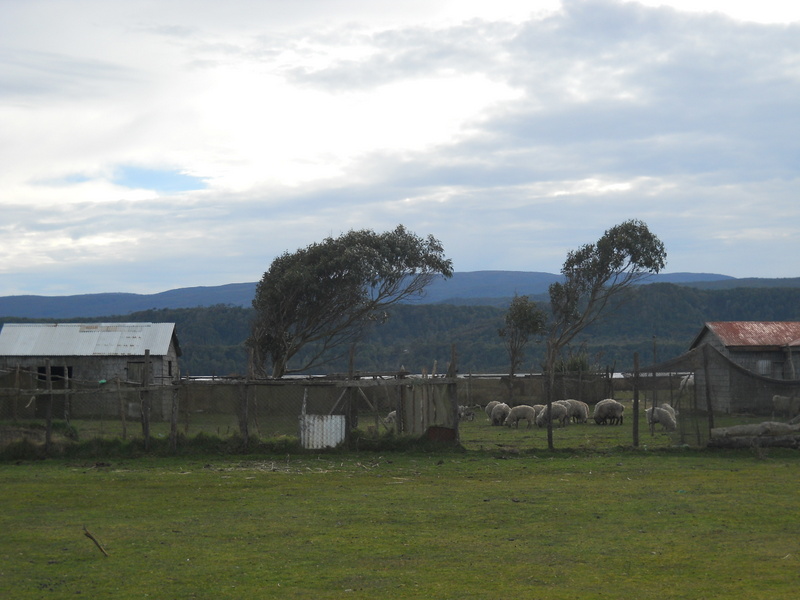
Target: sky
<point>147,146</point>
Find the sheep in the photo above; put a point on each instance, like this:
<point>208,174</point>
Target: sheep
<point>785,405</point>
<point>577,410</point>
<point>661,414</point>
<point>608,411</point>
<point>391,418</point>
<point>559,412</point>
<point>687,384</point>
<point>499,413</point>
<point>465,413</point>
<point>517,413</point>
<point>669,408</point>
<point>491,406</point>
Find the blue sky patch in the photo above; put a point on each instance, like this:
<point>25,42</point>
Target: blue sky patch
<point>158,180</point>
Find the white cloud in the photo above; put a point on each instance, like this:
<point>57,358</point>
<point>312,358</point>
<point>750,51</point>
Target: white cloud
<point>513,131</point>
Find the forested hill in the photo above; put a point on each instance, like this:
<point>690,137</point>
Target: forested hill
<point>491,288</point>
<point>417,336</point>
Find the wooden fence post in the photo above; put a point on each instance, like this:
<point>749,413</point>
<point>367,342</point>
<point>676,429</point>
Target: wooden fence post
<point>173,421</point>
<point>67,395</point>
<point>123,412</point>
<point>48,436</point>
<point>15,405</point>
<point>709,404</point>
<point>635,399</point>
<point>452,390</point>
<point>145,396</point>
<point>243,416</point>
<point>351,408</point>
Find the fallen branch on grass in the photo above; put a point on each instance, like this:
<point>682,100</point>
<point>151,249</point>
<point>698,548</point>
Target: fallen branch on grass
<point>88,534</point>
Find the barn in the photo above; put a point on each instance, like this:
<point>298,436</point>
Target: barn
<point>87,354</point>
<point>747,363</point>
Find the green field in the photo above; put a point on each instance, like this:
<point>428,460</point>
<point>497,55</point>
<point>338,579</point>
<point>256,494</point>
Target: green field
<point>502,519</point>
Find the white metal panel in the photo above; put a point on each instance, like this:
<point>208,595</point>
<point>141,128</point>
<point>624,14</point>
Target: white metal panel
<point>81,339</point>
<point>321,431</point>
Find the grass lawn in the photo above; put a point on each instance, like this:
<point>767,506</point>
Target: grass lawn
<point>489,524</point>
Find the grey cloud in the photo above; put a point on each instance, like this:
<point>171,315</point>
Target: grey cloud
<point>32,74</point>
<point>410,53</point>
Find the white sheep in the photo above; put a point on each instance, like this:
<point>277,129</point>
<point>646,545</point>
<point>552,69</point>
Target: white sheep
<point>577,410</point>
<point>391,418</point>
<point>785,405</point>
<point>669,408</point>
<point>499,413</point>
<point>687,384</point>
<point>489,407</point>
<point>660,414</point>
<point>517,413</point>
<point>608,411</point>
<point>465,413</point>
<point>559,412</point>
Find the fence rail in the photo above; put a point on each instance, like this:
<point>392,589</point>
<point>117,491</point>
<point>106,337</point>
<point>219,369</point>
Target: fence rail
<point>59,409</point>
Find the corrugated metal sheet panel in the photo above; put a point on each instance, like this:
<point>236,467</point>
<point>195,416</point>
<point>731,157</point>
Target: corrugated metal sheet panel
<point>322,431</point>
<point>82,339</point>
<point>756,333</point>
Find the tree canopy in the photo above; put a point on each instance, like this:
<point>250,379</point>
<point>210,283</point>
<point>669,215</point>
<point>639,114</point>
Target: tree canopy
<point>594,275</point>
<point>523,319</point>
<point>597,273</point>
<point>321,297</point>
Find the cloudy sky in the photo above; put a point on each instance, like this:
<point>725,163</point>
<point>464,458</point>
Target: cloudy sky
<point>150,145</point>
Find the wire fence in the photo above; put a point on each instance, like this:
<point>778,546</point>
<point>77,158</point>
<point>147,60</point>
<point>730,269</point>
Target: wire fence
<point>56,410</point>
<point>706,390</point>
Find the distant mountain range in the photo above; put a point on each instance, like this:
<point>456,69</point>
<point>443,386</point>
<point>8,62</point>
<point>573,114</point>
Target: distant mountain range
<point>472,287</point>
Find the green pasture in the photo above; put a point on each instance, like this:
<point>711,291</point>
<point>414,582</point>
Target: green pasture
<point>492,523</point>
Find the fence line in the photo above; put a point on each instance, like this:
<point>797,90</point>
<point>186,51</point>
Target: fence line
<point>226,407</point>
<point>46,410</point>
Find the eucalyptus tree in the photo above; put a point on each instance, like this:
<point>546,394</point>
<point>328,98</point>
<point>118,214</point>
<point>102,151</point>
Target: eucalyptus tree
<point>320,298</point>
<point>522,320</point>
<point>594,275</point>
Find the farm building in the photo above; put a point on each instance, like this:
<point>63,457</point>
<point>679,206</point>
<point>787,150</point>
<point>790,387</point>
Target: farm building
<point>739,365</point>
<point>94,351</point>
<point>84,359</point>
<point>767,348</point>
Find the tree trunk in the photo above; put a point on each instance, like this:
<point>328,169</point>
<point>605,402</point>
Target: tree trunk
<point>549,385</point>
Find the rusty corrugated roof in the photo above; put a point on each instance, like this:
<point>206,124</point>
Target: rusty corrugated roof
<point>85,339</point>
<point>754,333</point>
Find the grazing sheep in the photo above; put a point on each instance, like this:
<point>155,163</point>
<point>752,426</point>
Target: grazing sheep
<point>577,410</point>
<point>499,413</point>
<point>538,408</point>
<point>687,384</point>
<point>660,414</point>
<point>490,407</point>
<point>788,406</point>
<point>391,418</point>
<point>465,413</point>
<point>517,413</point>
<point>608,411</point>
<point>669,408</point>
<point>559,412</point>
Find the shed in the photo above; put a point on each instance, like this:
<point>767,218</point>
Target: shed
<point>93,351</point>
<point>756,360</point>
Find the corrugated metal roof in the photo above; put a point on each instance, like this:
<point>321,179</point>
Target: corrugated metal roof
<point>755,333</point>
<point>85,339</point>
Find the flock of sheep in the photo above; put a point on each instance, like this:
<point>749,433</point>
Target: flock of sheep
<point>562,412</point>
